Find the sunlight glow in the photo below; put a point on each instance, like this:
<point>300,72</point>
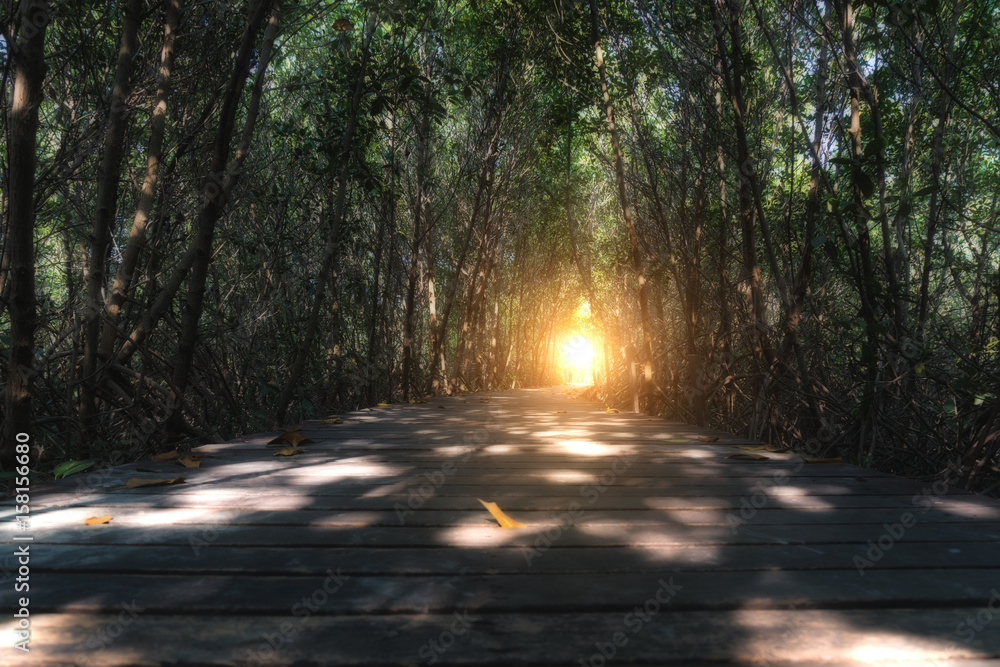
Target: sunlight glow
<point>578,357</point>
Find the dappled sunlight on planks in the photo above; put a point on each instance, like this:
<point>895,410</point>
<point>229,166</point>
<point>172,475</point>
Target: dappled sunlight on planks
<point>809,635</point>
<point>479,536</point>
<point>815,503</point>
<point>266,530</point>
<point>72,518</point>
<point>587,448</point>
<point>568,476</point>
<point>967,508</point>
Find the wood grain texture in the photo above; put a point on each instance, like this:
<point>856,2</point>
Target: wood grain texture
<point>643,546</point>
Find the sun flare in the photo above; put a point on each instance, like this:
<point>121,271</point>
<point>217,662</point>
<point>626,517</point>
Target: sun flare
<point>578,357</point>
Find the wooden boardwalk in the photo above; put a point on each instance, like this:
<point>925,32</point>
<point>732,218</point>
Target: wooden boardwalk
<point>644,544</point>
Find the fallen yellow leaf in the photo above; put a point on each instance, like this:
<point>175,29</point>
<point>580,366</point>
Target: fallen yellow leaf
<point>612,410</point>
<point>96,520</point>
<point>560,412</point>
<point>335,420</point>
<point>292,438</point>
<point>136,482</point>
<point>748,457</point>
<point>383,405</point>
<point>190,462</point>
<point>166,456</point>
<point>504,520</point>
<point>289,451</point>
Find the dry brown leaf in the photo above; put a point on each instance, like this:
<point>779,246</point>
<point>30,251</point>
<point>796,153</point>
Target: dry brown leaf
<point>707,438</point>
<point>190,461</point>
<point>560,412</point>
<point>97,520</point>
<point>777,450</point>
<point>504,520</point>
<point>831,459</point>
<point>753,448</point>
<point>444,408</point>
<point>292,438</point>
<point>748,457</point>
<point>335,420</point>
<point>137,482</point>
<point>166,456</point>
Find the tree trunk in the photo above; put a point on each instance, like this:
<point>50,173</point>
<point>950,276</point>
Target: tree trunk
<point>333,236</point>
<point>732,69</point>
<point>483,190</point>
<point>29,71</point>
<point>647,333</point>
<point>866,280</point>
<point>104,213</point>
<point>585,275</point>
<point>147,195</point>
<point>937,161</point>
<point>223,177</point>
<point>419,219</point>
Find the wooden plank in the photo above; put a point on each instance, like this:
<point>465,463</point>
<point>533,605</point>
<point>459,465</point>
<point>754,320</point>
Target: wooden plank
<point>365,561</point>
<point>551,592</point>
<point>479,463</point>
<point>487,536</point>
<point>805,638</point>
<point>311,466</point>
<point>284,499</point>
<point>537,483</point>
<point>579,514</point>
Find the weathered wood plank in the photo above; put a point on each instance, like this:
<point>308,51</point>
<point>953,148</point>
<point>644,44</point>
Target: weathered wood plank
<point>805,638</point>
<point>576,512</point>
<point>281,498</point>
<point>506,484</point>
<point>553,592</point>
<point>492,536</point>
<point>366,561</point>
<point>476,536</point>
<point>772,561</point>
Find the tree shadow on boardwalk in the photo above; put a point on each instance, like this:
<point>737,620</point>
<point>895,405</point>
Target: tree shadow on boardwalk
<point>642,545</point>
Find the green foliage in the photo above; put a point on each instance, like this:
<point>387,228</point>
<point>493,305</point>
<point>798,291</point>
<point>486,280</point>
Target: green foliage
<point>67,468</point>
<point>895,315</point>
